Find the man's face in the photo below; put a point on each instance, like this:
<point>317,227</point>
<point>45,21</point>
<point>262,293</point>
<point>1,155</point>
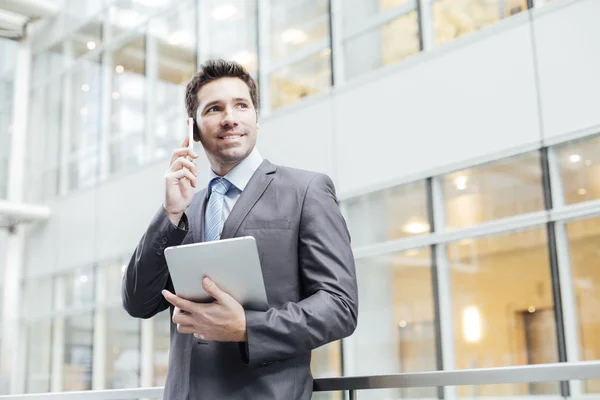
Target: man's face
<point>227,122</point>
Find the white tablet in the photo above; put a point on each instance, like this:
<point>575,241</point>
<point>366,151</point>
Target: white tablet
<point>233,264</point>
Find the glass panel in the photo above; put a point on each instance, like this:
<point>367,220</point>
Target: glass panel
<point>230,32</point>
<point>305,78</point>
<point>396,330</point>
<point>500,189</point>
<point>48,63</point>
<point>384,45</point>
<point>127,15</point>
<point>584,237</point>
<point>162,329</point>
<point>297,25</point>
<point>388,214</point>
<point>39,349</point>
<point>580,170</point>
<point>453,18</point>
<point>122,350</point>
<point>79,335</point>
<point>37,296</point>
<point>5,143</point>
<point>327,360</point>
<point>173,39</point>
<point>79,287</point>
<point>85,112</point>
<point>128,106</point>
<point>114,271</point>
<point>357,12</point>
<point>86,38</point>
<point>503,307</point>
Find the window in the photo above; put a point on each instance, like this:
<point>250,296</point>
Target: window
<point>300,50</point>
<point>497,190</point>
<point>388,214</point>
<point>371,42</point>
<point>396,330</point>
<point>503,307</point>
<point>172,45</point>
<point>37,297</point>
<point>453,18</point>
<point>78,355</point>
<point>128,96</point>
<point>580,170</point>
<point>39,340</point>
<point>229,31</point>
<point>122,350</point>
<point>583,239</point>
<point>79,287</point>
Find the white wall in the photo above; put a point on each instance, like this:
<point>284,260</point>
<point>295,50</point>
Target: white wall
<point>568,51</point>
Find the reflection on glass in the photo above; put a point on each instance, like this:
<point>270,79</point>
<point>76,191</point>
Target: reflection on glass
<point>126,15</point>
<point>305,78</point>
<point>79,287</point>
<point>500,189</point>
<point>86,38</point>
<point>297,25</point>
<point>455,18</point>
<point>39,348</point>
<point>173,39</point>
<point>503,307</point>
<point>230,31</point>
<point>383,45</point>
<point>396,330</point>
<point>128,95</point>
<point>584,237</point>
<point>162,327</point>
<point>358,12</point>
<point>388,214</point>
<point>79,342</point>
<point>580,170</point>
<point>122,350</point>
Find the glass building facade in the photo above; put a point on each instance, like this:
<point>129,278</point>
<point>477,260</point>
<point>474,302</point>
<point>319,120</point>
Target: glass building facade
<point>489,265</point>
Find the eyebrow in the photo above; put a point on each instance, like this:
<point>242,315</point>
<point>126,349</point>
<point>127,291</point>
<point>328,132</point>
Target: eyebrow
<point>215,102</point>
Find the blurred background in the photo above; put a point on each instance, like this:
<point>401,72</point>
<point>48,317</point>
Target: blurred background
<point>461,136</point>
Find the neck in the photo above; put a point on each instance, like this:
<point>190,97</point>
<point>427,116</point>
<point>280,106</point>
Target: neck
<point>223,169</point>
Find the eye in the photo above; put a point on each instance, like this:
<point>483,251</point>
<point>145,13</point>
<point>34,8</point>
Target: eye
<point>242,105</point>
<point>213,109</point>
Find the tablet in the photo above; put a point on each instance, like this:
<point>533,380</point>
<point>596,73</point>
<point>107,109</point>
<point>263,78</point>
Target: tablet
<point>233,264</point>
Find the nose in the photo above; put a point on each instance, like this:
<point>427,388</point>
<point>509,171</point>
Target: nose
<point>229,118</point>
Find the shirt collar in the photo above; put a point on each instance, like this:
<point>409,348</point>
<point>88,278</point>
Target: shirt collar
<point>240,175</point>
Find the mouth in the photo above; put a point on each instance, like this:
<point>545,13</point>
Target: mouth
<point>233,136</point>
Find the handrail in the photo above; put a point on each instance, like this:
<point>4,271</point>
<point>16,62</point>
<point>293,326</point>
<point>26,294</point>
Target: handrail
<point>482,376</point>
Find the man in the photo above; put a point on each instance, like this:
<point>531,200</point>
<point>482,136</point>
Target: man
<point>219,350</point>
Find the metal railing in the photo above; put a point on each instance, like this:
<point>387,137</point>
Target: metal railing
<point>559,372</point>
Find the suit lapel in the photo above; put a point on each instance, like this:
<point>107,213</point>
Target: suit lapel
<point>254,189</point>
<point>197,218</point>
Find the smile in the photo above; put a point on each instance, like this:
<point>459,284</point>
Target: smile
<point>231,137</point>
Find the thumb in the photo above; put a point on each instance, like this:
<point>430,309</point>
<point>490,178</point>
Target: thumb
<point>212,289</point>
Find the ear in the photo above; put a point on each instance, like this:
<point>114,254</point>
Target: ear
<point>196,132</point>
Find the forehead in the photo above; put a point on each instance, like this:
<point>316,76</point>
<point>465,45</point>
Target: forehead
<point>223,90</point>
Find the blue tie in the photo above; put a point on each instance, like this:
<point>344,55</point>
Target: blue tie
<point>213,224</point>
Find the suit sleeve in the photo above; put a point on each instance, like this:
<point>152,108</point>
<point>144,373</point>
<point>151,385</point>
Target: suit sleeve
<point>147,273</point>
<point>329,308</point>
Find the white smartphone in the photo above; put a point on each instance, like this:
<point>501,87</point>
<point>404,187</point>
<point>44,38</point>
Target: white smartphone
<point>190,123</point>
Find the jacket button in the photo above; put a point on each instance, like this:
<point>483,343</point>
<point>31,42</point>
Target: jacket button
<point>159,252</point>
<point>164,240</point>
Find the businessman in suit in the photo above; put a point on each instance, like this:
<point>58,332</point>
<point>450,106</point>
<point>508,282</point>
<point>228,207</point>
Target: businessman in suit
<point>220,350</point>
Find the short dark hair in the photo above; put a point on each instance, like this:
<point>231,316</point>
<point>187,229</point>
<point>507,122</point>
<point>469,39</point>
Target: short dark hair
<point>212,70</point>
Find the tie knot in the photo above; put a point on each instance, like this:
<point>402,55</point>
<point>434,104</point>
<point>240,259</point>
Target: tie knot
<point>220,185</point>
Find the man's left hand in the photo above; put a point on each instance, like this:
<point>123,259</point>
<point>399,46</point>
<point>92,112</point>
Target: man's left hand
<point>223,320</point>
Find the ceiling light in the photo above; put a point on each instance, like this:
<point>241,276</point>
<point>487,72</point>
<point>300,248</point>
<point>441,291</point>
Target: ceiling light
<point>83,278</point>
<point>91,45</point>
<point>119,69</point>
<point>471,324</point>
<point>416,227</point>
<point>85,87</point>
<point>531,309</point>
<point>293,36</point>
<point>224,11</point>
<point>115,95</point>
<point>461,182</point>
<point>402,324</point>
<point>582,192</point>
<point>575,158</point>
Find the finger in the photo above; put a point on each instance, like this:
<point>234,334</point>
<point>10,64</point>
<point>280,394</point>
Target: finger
<point>184,173</point>
<point>185,329</point>
<point>182,152</point>
<point>211,288</point>
<point>182,319</point>
<point>199,336</point>
<point>181,162</point>
<point>183,304</point>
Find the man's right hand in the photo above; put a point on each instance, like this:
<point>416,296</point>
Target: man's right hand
<point>180,181</point>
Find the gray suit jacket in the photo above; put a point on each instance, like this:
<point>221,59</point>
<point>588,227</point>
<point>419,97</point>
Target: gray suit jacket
<point>310,280</point>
